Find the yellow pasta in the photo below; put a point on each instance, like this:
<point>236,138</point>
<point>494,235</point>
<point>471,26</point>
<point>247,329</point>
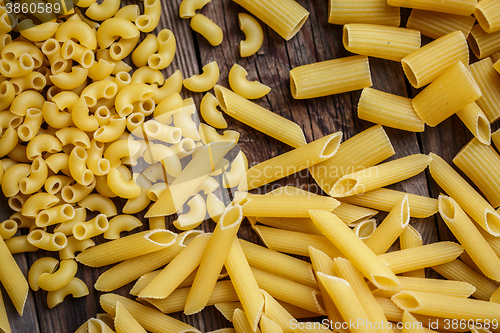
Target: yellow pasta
<point>467,198</point>
<point>352,247</point>
<point>177,270</point>
<point>245,284</point>
<point>476,121</point>
<point>121,223</point>
<point>392,43</point>
<point>486,13</point>
<point>187,8</point>
<point>76,288</point>
<point>213,259</point>
<point>390,228</point>
<point>366,11</point>
<point>269,326</point>
<point>13,279</point>
<point>381,175</point>
<point>243,87</point>
<point>241,323</point>
<point>435,24</point>
<point>207,28</point>
<point>317,80</point>
<point>456,307</point>
<point>286,205</point>
<point>459,271</point>
<point>409,238</point>
<point>4,321</point>
<point>127,247</point>
<point>452,7</point>
<point>291,162</point>
<point>165,55</point>
<point>389,110</point>
<point>125,322</point>
<point>432,110</point>
<point>205,81</point>
<point>259,118</point>
<point>483,44</point>
<point>286,17</point>
<point>489,83</point>
<point>151,17</point>
<point>253,35</point>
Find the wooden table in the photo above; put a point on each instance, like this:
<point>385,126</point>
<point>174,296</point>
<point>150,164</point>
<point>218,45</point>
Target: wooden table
<point>317,41</point>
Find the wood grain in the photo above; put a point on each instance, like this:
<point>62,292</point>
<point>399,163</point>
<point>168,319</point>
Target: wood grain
<point>316,41</point>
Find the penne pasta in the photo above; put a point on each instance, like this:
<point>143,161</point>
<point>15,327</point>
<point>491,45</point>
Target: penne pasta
<point>480,162</point>
<point>259,118</point>
<point>459,271</point>
<point>286,17</point>
<point>245,284</point>
<point>295,242</point>
<point>363,150</point>
<point>379,175</point>
<point>380,41</point>
<point>366,11</point>
<point>151,319</point>
<point>467,198</point>
<point>291,162</point>
<point>354,249</point>
<point>12,278</point>
<point>421,257</point>
<point>213,259</point>
<point>127,248</point>
<point>410,238</point>
<point>488,82</point>
<point>435,24</point>
<point>278,263</point>
<point>390,229</point>
<point>385,199</point>
<point>241,324</point>
<point>4,320</point>
<point>286,205</point>
<point>125,322</point>
<point>476,121</point>
<point>317,80</point>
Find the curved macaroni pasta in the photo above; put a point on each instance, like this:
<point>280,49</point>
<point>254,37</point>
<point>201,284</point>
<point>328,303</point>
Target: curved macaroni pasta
<point>38,175</point>
<point>137,92</point>
<point>121,223</point>
<point>194,217</point>
<point>207,28</point>
<point>54,215</point>
<point>121,187</point>
<point>46,241</point>
<point>60,278</point>
<point>239,167</point>
<point>76,288</point>
<point>72,80</point>
<point>171,86</point>
<point>188,8</point>
<point>31,125</point>
<point>74,136</point>
<point>37,202</point>
<point>149,21</point>
<point>166,50</point>
<point>103,11</point>
<point>248,89</point>
<point>91,228</point>
<point>41,266</point>
<point>97,202</point>
<point>147,48</point>
<point>253,33</point>
<point>75,245</point>
<point>209,134</point>
<point>205,81</point>
<point>209,112</point>
<point>78,166</point>
<point>78,30</point>
<point>110,29</point>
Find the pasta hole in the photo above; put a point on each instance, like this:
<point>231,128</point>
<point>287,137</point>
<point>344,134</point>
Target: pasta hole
<point>124,77</point>
<point>406,301</point>
<point>152,127</point>
<point>481,18</point>
<point>343,186</point>
<point>54,188</point>
<point>176,135</point>
<point>150,3</point>
<point>87,59</point>
<point>297,28</point>
<point>187,146</point>
<point>36,165</point>
<point>88,177</point>
<point>483,130</point>
<point>162,237</point>
<point>3,88</point>
<point>143,21</point>
<point>80,153</point>
<point>15,122</point>
<point>58,66</point>
<point>345,37</point>
<point>365,229</point>
<point>10,225</point>
<point>6,67</point>
<point>79,231</point>
<point>43,219</point>
<point>9,56</point>
<point>331,146</point>
<point>68,194</point>
<point>164,36</point>
<point>493,222</point>
<point>220,98</point>
<point>68,50</point>
<point>24,132</point>
<point>102,222</point>
<point>137,119</point>
<point>38,83</point>
<point>104,166</point>
<point>26,61</point>
<point>36,235</point>
<point>50,46</point>
<point>110,91</point>
<point>68,211</point>
<point>384,282</point>
<point>446,207</point>
<point>148,106</point>
<point>230,217</point>
<point>473,45</point>
<point>116,51</point>
<point>154,61</point>
<point>23,185</point>
<point>60,240</point>
<point>16,203</point>
<point>409,74</point>
<point>89,100</point>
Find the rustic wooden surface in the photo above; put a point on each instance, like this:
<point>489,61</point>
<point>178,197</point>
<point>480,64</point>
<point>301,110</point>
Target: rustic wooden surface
<point>316,41</point>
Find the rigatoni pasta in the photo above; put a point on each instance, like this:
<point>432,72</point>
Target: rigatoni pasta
<point>434,24</point>
<point>482,43</point>
<point>366,11</point>
<point>330,77</point>
<point>452,7</point>
<point>488,81</point>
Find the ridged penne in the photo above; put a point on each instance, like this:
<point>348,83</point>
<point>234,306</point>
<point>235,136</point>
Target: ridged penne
<point>380,175</point>
<point>409,238</point>
<point>291,162</point>
<point>476,121</point>
<point>12,278</point>
<point>317,80</point>
<point>366,11</point>
<point>354,249</point>
<point>259,118</point>
<point>363,150</point>
<point>467,198</point>
<point>4,320</point>
<point>434,24</point>
<point>385,199</point>
<point>380,41</point>
<point>488,81</point>
<point>125,322</point>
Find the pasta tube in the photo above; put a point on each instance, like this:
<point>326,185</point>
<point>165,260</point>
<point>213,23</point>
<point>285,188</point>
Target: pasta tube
<point>125,322</point>
<point>434,24</point>
<point>487,16</point>
<point>389,110</point>
<point>366,11</point>
<point>151,319</point>
<point>286,205</point>
<point>127,247</point>
<point>354,249</point>
<point>380,41</point>
<point>457,89</point>
<point>330,77</point>
<point>409,238</point>
<point>380,175</point>
<point>291,162</point>
<point>470,238</point>
<point>213,259</point>
<point>363,150</point>
<point>286,17</point>
<point>465,195</point>
<point>385,199</point>
<point>259,118</point>
<point>12,278</point>
<point>483,44</point>
<point>476,121</point>
<point>4,320</point>
<point>488,81</point>
<point>446,306</point>
<point>458,7</point>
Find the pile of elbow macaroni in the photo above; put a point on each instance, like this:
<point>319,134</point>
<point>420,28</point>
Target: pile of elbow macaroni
<point>86,115</point>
